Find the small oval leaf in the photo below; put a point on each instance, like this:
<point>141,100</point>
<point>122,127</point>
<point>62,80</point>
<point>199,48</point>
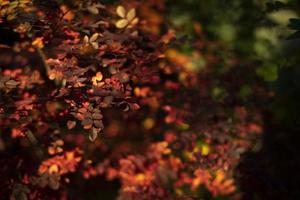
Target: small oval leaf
<point>134,21</point>
<point>86,39</point>
<point>94,37</point>
<point>71,124</point>
<point>95,45</point>
<point>131,14</point>
<point>121,11</point>
<point>93,134</point>
<point>122,23</point>
<point>93,10</point>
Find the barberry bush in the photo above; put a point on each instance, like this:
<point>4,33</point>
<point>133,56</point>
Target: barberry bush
<point>111,100</point>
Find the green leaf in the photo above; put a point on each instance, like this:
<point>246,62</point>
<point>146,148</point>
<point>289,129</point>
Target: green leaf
<point>268,72</point>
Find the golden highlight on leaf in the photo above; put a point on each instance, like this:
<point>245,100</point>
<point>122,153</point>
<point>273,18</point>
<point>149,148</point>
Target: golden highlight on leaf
<point>85,39</point>
<point>94,37</point>
<point>122,23</point>
<point>131,14</point>
<point>121,11</point>
<point>134,21</point>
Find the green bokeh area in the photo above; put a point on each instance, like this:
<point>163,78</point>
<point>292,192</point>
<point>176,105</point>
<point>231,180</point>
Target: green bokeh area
<point>261,33</point>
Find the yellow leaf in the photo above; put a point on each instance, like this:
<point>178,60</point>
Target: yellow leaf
<point>148,123</point>
<point>52,76</point>
<point>94,37</point>
<point>95,45</point>
<point>122,23</point>
<point>93,10</point>
<point>53,169</point>
<point>24,1</point>
<point>97,78</point>
<point>70,155</point>
<point>134,21</point>
<point>3,3</point>
<point>86,39</point>
<point>140,177</point>
<point>38,42</point>
<point>121,11</point>
<point>220,176</point>
<point>69,15</point>
<point>131,14</point>
<point>205,150</point>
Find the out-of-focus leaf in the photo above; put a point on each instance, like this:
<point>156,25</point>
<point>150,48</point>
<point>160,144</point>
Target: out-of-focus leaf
<point>245,91</point>
<point>95,45</point>
<point>268,72</point>
<point>87,122</point>
<point>11,83</point>
<point>93,134</point>
<point>71,124</point>
<point>282,17</point>
<point>94,10</point>
<point>219,93</point>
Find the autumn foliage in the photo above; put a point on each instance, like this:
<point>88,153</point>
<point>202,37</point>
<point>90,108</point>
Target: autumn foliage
<point>98,98</point>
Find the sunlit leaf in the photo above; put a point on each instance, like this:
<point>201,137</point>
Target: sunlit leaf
<point>94,10</point>
<point>94,37</point>
<point>95,45</point>
<point>131,14</point>
<point>11,83</point>
<point>134,21</point>
<point>86,39</point>
<point>121,11</point>
<point>97,78</point>
<point>205,150</point>
<point>122,23</point>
